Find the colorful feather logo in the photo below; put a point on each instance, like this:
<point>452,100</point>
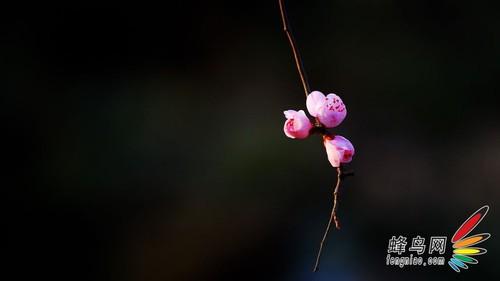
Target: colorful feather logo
<point>462,245</point>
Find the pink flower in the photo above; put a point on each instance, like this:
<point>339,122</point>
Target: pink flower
<point>329,110</point>
<point>297,125</point>
<point>338,149</point>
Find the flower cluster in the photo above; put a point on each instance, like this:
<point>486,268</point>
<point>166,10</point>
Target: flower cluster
<point>329,111</point>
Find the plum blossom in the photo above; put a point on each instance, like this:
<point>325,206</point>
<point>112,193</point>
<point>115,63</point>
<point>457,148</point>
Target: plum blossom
<point>297,125</point>
<point>338,149</point>
<point>329,110</point>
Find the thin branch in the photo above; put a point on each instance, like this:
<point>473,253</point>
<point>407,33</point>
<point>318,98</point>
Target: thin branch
<point>296,55</point>
<point>333,217</point>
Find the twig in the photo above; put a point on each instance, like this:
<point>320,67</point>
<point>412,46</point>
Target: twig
<point>333,217</point>
<point>296,55</point>
<point>318,128</point>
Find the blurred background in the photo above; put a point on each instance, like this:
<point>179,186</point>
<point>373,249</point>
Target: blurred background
<point>146,143</point>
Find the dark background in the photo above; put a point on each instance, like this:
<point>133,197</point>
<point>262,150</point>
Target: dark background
<point>147,143</point>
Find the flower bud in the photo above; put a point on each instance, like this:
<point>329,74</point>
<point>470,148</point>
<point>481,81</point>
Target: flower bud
<point>338,149</point>
<point>297,125</point>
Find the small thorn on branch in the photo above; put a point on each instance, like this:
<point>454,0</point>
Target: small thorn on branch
<point>346,174</point>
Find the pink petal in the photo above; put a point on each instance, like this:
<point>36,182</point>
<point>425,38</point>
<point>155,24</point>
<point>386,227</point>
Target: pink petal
<point>333,112</point>
<point>289,114</point>
<point>333,154</point>
<point>297,124</point>
<point>339,150</point>
<point>314,103</point>
<point>287,128</point>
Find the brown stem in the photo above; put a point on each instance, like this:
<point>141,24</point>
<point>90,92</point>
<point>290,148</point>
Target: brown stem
<point>333,217</point>
<point>296,55</point>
